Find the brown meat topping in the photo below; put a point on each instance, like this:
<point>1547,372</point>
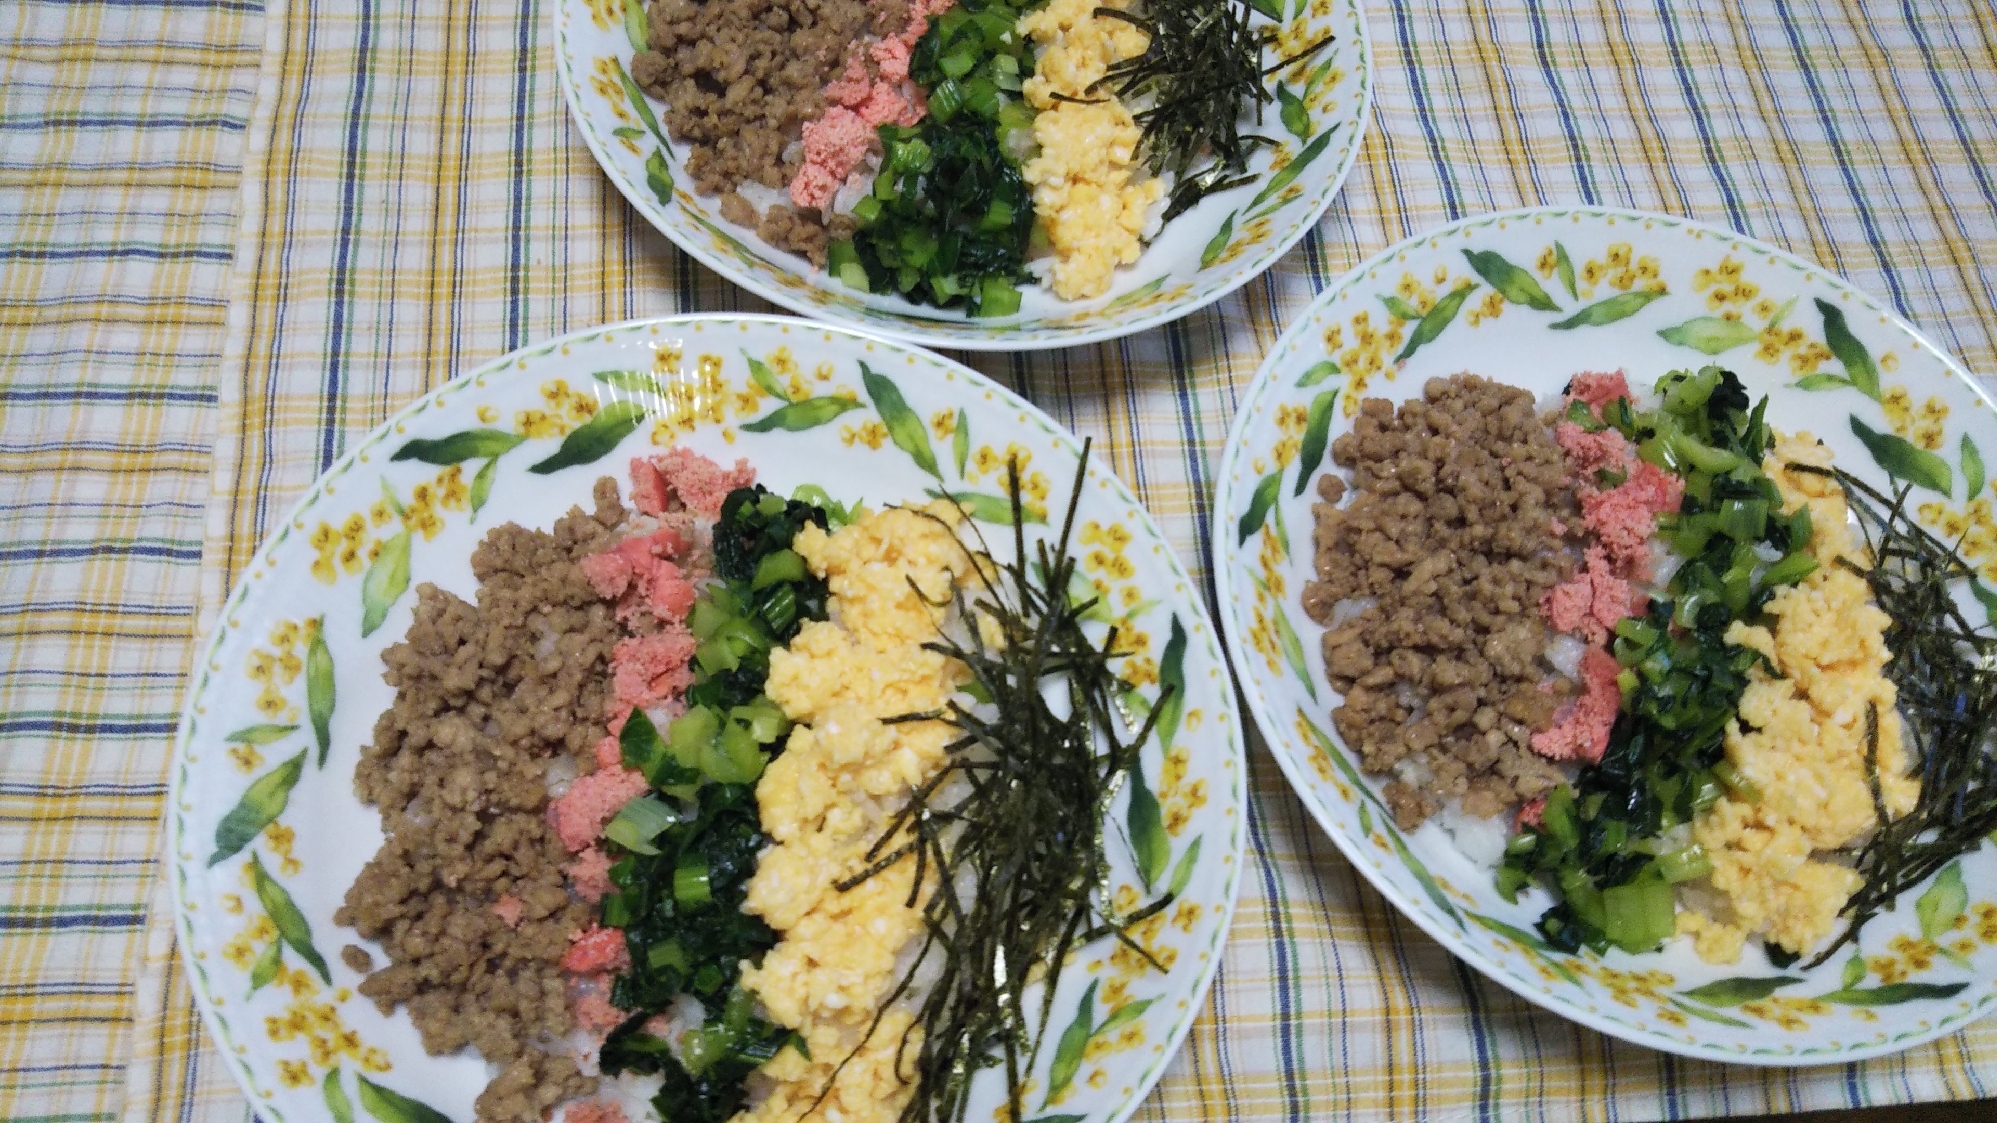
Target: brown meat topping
<point>1429,583</point>
<point>488,696</point>
<point>741,77</point>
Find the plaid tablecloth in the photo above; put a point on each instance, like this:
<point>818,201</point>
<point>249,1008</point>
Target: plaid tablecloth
<point>235,235</point>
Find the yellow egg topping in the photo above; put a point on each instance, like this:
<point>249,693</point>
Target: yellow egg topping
<point>828,796</point>
<point>1082,189</point>
<point>1800,739</point>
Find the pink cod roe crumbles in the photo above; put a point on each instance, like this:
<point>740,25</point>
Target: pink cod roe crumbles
<point>874,90</point>
<point>650,575</point>
<point>1619,522</point>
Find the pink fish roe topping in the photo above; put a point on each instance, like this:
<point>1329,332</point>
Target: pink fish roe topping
<point>590,1007</point>
<point>508,909</point>
<point>648,487</point>
<point>890,58</point>
<point>647,670</point>
<point>672,594</point>
<point>595,949</point>
<point>852,87</point>
<point>590,874</point>
<point>1530,813</point>
<point>1624,517</point>
<point>834,145</point>
<point>1581,732</point>
<point>593,800</point>
<point>700,483</point>
<point>1592,602</point>
<point>595,1111</point>
<point>1588,453</point>
<point>1598,389</point>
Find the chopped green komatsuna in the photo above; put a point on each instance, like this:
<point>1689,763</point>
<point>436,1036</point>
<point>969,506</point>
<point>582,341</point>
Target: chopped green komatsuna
<point>683,855</point>
<point>1597,844</point>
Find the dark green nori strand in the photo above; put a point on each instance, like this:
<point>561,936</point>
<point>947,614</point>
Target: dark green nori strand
<point>1028,836</point>
<point>1946,674</point>
<point>1201,72</point>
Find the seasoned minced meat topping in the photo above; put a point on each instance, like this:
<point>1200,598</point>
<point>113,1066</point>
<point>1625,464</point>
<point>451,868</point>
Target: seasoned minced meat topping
<point>740,78</point>
<point>488,697</point>
<point>1429,583</point>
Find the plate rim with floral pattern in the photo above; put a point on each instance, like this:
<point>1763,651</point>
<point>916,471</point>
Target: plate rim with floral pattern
<point>237,759</point>
<point>1928,967</point>
<point>1233,236</point>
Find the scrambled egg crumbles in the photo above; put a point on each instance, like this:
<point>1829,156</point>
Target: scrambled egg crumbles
<point>1800,738</point>
<point>826,798</point>
<point>1082,190</point>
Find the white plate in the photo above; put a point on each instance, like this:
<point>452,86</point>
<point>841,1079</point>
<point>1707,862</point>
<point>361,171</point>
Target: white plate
<point>1652,294</point>
<point>286,1040</point>
<point>1200,256</point>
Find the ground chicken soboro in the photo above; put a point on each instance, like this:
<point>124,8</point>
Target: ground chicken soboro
<point>467,895</point>
<point>1449,543</point>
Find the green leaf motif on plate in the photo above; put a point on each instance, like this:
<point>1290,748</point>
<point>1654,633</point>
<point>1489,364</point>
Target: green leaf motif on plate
<point>626,132</point>
<point>799,416</point>
<point>1401,309</point>
<point>630,381</point>
<point>337,1103</point>
<point>481,489</point>
<point>1217,245</point>
<point>960,441</point>
<point>387,579</point>
<point>262,734</point>
<point>594,439</point>
<point>766,378</point>
<point>659,177</point>
<point>1854,971</point>
<point>1295,116</point>
<point>1823,382</point>
<point>1182,870</point>
<point>1892,994</point>
<point>1318,372</point>
<point>1615,308</point>
<point>1073,1044</point>
<point>1294,168</point>
<point>1122,1016</point>
<point>1905,460</point>
<point>635,27</point>
<point>905,429</point>
<point>1148,843</point>
<point>1436,319</point>
<point>1318,75</point>
<point>1563,266</point>
<point>1858,364</point>
<point>1259,503</point>
<point>1985,597</point>
<point>472,444</point>
<point>1703,1014</point>
<point>1734,991</point>
<point>1972,468</point>
<point>319,685</point>
<point>1172,685</point>
<point>1135,295</point>
<point>284,914</point>
<point>1057,1119</point>
<point>265,968</point>
<point>986,508</point>
<point>1365,819</point>
<point>1709,335</point>
<point>1944,901</point>
<point>262,802</point>
<point>638,103</point>
<point>1293,651</point>
<point>1317,434</point>
<point>1529,940</point>
<point>394,1107</point>
<point>1344,766</point>
<point>1512,282</point>
<point>1427,881</point>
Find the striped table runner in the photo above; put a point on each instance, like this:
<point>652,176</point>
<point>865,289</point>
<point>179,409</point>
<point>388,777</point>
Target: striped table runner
<point>181,359</point>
